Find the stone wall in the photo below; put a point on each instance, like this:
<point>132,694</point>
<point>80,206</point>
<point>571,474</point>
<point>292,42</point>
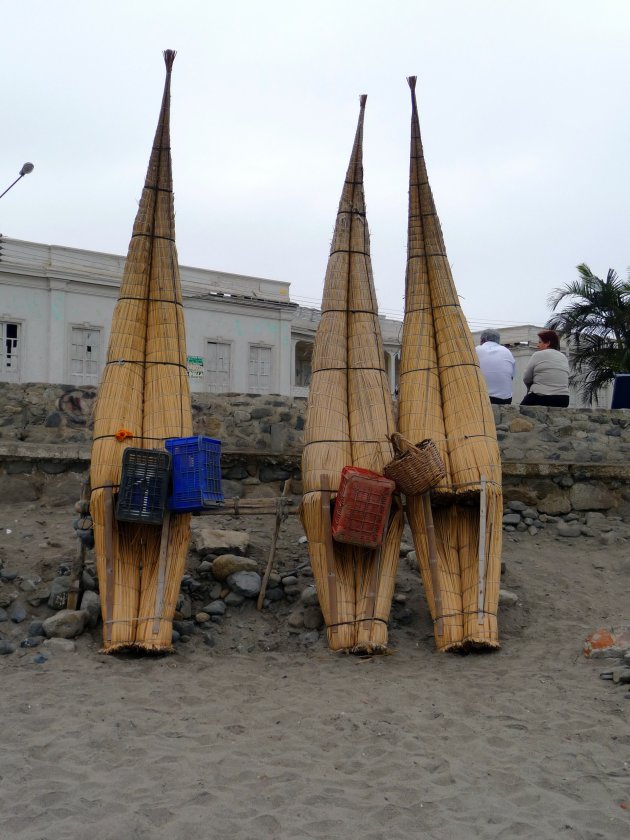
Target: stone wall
<point>564,460</point>
<point>556,459</point>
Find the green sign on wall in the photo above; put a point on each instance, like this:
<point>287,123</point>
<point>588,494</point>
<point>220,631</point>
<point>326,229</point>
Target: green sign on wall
<point>195,367</point>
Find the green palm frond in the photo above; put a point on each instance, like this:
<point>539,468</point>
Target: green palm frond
<point>596,323</point>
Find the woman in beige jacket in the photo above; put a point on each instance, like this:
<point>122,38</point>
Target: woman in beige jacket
<point>547,374</point>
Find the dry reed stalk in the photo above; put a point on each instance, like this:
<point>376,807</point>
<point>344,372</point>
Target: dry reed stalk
<point>448,622</point>
<point>326,433</point>
<point>119,406</point>
<point>481,570</point>
<point>343,636</point>
<point>468,418</point>
<point>145,391</point>
<point>327,448</point>
<point>443,396</point>
<point>421,412</point>
<point>370,417</point>
<point>420,397</point>
<point>119,590</point>
<point>333,572</point>
<point>120,398</point>
<point>370,412</point>
<point>375,574</point>
<point>167,411</point>
<point>371,420</point>
<point>155,621</point>
<point>349,416</point>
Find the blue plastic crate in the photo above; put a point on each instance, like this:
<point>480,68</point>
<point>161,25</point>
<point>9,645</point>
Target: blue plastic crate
<point>196,473</point>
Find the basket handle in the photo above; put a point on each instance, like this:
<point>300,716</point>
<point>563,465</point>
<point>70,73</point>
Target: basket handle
<point>401,444</point>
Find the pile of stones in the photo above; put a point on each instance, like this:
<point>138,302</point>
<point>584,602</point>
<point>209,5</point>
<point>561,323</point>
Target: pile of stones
<point>221,577</point>
<point>608,529</point>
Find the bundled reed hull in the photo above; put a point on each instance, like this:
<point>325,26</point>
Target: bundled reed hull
<point>349,417</point>
<point>144,391</point>
<point>443,396</point>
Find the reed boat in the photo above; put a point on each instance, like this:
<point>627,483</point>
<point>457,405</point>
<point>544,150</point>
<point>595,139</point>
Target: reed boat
<point>143,399</point>
<point>348,420</point>
<point>443,396</point>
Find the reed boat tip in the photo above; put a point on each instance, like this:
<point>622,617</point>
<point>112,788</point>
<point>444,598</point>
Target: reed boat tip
<point>169,58</point>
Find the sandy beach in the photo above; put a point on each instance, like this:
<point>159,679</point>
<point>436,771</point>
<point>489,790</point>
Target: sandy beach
<point>263,737</point>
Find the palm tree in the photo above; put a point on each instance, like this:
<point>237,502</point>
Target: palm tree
<point>596,324</point>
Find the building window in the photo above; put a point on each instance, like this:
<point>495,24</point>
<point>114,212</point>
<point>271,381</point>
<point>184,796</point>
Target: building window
<point>303,358</point>
<point>218,367</point>
<point>259,380</point>
<point>10,351</point>
<point>85,356</point>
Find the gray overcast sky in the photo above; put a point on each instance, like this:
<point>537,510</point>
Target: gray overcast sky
<point>524,116</point>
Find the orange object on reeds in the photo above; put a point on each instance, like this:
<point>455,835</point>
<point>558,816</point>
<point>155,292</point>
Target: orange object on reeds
<point>145,388</point>
<point>442,396</point>
<point>349,417</point>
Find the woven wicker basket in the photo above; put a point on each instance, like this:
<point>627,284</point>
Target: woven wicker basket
<point>415,468</point>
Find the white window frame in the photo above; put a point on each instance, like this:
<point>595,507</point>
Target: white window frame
<point>258,381</point>
<point>311,343</point>
<point>11,372</point>
<point>212,385</point>
<point>85,378</point>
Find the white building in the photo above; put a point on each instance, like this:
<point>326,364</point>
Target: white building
<point>244,335</point>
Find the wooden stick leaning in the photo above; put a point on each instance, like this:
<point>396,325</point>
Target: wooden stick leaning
<point>159,597</point>
<point>109,561</point>
<point>433,562</point>
<point>482,550</point>
<point>77,571</point>
<point>331,573</point>
<point>272,551</point>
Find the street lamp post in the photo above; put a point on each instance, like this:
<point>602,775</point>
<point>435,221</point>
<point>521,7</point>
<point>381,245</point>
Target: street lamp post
<point>25,170</point>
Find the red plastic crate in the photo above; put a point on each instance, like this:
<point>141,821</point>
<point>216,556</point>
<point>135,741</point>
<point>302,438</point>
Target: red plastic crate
<point>362,507</point>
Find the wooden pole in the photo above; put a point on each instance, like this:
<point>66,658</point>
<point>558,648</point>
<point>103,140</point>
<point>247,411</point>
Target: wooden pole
<point>433,563</point>
<point>331,573</point>
<point>280,515</point>
<point>253,507</point>
<point>77,572</point>
<point>109,561</point>
<point>481,593</point>
<point>159,595</point>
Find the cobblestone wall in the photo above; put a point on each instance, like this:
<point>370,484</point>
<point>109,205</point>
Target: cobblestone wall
<point>578,455</point>
<point>39,413</point>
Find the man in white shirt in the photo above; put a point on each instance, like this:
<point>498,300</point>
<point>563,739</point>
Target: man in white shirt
<point>497,365</point>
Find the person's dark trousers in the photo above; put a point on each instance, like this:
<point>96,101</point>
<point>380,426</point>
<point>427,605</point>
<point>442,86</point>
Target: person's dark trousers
<point>553,400</point>
<point>499,401</point>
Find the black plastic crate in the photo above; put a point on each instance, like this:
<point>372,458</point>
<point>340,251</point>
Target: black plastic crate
<point>143,486</point>
<point>621,391</point>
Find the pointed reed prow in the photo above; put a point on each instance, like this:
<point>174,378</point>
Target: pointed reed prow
<point>169,58</point>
